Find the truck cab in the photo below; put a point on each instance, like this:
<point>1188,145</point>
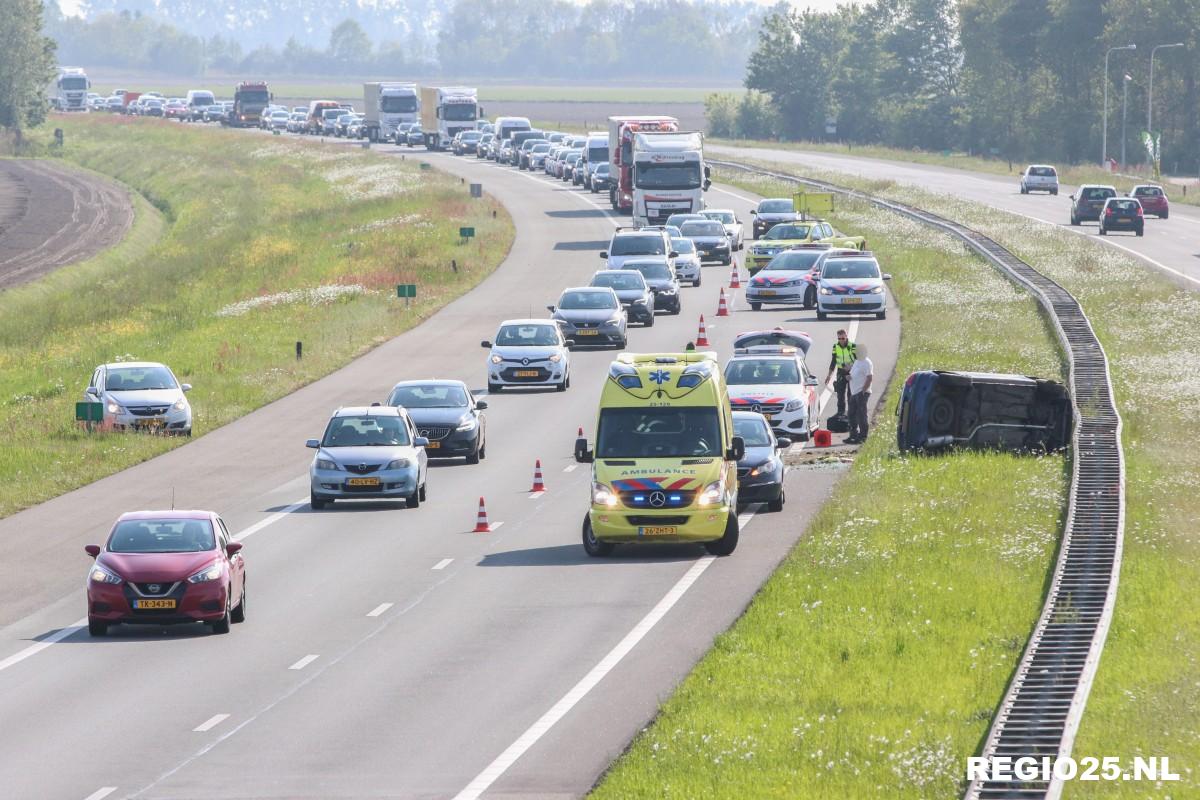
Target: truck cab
<point>447,110</point>
<point>70,90</point>
<point>387,106</point>
<point>669,176</point>
<point>621,131</point>
<point>250,99</point>
<point>664,467</point>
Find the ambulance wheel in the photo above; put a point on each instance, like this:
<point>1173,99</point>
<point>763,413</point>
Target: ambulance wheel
<point>727,543</point>
<point>593,546</point>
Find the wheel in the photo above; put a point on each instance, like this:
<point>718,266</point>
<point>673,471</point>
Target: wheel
<point>941,415</point>
<point>97,627</point>
<point>413,500</point>
<point>727,261</point>
<point>595,190</point>
<point>881,315</point>
<point>727,543</point>
<point>1102,231</point>
<point>810,297</point>
<point>649,323</point>
<point>222,625</point>
<point>1024,190</point>
<point>821,315</point>
<point>494,388</point>
<point>756,306</point>
<point>696,282</point>
<point>623,343</point>
<point>1141,231</point>
<point>1164,215</point>
<point>483,450</point>
<point>591,545</point>
<point>1054,192</point>
<point>1074,220</point>
<point>424,492</point>
<point>473,456</point>
<point>239,613</point>
<point>566,384</point>
<point>316,502</point>
<point>675,309</point>
<point>777,503</point>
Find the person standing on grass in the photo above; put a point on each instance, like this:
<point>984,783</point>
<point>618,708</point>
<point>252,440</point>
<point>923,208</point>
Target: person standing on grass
<point>842,359</point>
<point>862,373</point>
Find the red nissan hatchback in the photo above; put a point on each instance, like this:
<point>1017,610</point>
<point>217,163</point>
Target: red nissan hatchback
<point>166,567</point>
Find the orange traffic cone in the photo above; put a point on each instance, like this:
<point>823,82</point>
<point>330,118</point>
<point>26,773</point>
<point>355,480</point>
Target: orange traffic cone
<point>579,433</point>
<point>538,486</point>
<point>702,336</point>
<point>735,280</point>
<point>722,308</point>
<point>481,520</point>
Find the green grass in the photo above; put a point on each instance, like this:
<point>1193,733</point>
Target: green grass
<point>224,218</point>
<point>1070,174</point>
<point>872,661</point>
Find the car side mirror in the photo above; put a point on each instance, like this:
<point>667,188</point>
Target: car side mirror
<point>92,391</point>
<point>570,343</point>
<point>421,441</point>
<point>481,405</point>
<point>550,309</point>
<point>811,380</point>
<point>738,451</point>
<point>604,254</point>
<point>672,254</point>
<point>485,343</point>
<point>313,443</point>
<point>1072,197</point>
<point>782,443</point>
<point>233,548</point>
<point>707,183</point>
<point>187,387</point>
<point>887,276</point>
<point>582,454</point>
<point>92,550</point>
<point>753,212</point>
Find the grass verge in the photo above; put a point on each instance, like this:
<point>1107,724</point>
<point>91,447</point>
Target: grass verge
<point>1070,174</point>
<point>242,246</point>
<point>871,662</point>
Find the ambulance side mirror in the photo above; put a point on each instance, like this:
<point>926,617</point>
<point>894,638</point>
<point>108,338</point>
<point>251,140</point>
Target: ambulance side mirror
<point>738,451</point>
<point>582,454</point>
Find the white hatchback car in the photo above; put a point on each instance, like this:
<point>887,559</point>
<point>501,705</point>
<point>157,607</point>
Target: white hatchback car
<point>852,284</point>
<point>733,226</point>
<point>1039,178</point>
<point>774,381</point>
<point>141,396</point>
<point>528,352</point>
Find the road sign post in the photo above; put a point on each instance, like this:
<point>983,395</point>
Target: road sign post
<point>408,291</point>
<point>465,233</point>
<point>89,413</point>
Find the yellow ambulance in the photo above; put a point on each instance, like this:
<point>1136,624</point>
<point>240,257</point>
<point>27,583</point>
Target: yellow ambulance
<point>664,468</point>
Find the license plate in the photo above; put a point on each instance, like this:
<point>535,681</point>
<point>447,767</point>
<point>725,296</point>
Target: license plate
<point>852,301</point>
<point>363,482</point>
<point>148,423</point>
<point>143,604</point>
<point>526,373</point>
<point>1124,219</point>
<point>657,530</point>
<point>433,445</point>
<point>587,333</point>
<point>768,417</point>
<point>768,292</point>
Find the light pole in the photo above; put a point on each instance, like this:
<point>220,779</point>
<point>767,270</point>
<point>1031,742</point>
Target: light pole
<point>1150,86</point>
<point>1124,99</point>
<point>1104,140</point>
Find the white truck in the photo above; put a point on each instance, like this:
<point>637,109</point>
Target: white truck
<point>70,88</point>
<point>387,106</point>
<point>669,175</point>
<point>446,110</point>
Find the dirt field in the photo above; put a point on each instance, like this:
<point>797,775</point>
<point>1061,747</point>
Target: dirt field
<point>51,216</point>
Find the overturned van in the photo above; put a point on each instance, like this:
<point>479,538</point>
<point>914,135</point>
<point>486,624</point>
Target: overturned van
<point>982,410</point>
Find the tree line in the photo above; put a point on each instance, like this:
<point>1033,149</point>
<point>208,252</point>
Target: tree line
<point>1020,79</point>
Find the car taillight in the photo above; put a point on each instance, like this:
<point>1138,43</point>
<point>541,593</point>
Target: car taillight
<point>1139,211</point>
<point>1108,212</point>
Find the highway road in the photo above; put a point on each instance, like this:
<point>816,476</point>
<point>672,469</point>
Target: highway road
<point>1169,244</point>
<point>391,652</point>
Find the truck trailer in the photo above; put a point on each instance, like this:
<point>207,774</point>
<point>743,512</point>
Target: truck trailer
<point>446,110</point>
<point>386,106</point>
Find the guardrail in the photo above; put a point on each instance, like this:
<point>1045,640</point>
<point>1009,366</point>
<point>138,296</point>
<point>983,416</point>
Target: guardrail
<point>1042,708</point>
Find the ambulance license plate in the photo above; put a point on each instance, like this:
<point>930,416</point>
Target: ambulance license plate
<point>657,530</point>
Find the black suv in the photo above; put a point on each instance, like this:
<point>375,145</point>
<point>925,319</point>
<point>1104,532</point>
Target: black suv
<point>1088,202</point>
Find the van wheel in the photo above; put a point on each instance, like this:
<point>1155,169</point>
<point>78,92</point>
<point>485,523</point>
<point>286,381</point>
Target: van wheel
<point>591,545</point>
<point>941,415</point>
<point>727,543</point>
<point>810,297</point>
<point>1102,231</point>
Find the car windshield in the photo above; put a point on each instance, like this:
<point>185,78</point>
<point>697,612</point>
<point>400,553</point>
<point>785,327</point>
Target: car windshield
<point>696,228</point>
<point>365,431</point>
<point>445,395</point>
<point>650,269</point>
<point>724,217</point>
<point>573,157</point>
<point>471,136</point>
<point>684,175</point>
<point>783,232</point>
<point>398,104</point>
<point>597,154</point>
<point>775,207</point>
<point>603,169</point>
<point>795,260</point>
<point>162,536</point>
<point>332,113</point>
<point>637,246</point>
<point>658,433</point>
<point>1147,191</point>
<point>527,336</point>
<point>458,112</point>
<point>754,432</point>
<point>132,379</point>
<point>682,245</point>
<point>838,268</point>
<point>587,300</point>
<point>750,371</point>
<point>621,281</point>
<point>541,148</point>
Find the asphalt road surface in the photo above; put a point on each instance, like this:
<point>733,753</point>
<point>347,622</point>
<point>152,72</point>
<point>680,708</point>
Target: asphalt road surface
<point>1169,244</point>
<point>391,652</point>
<point>51,216</point>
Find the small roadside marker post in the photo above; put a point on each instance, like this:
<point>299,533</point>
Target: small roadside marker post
<point>408,291</point>
<point>90,414</point>
<point>465,233</point>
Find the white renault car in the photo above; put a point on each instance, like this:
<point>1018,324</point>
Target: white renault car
<point>687,263</point>
<point>852,284</point>
<point>733,226</point>
<point>774,381</point>
<point>141,396</point>
<point>528,352</point>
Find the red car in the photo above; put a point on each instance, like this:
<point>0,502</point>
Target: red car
<point>1153,198</point>
<point>164,568</point>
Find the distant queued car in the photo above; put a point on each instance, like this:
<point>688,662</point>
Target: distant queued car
<point>733,225</point>
<point>415,136</point>
<point>447,414</point>
<point>528,352</point>
<point>485,141</point>
<point>760,470</point>
<point>660,277</point>
<point>368,453</point>
<point>590,316</point>
<point>1153,199</point>
<point>771,212</point>
<point>1122,214</point>
<point>176,109</point>
<point>296,121</point>
<point>1039,178</point>
<point>1088,202</point>
<point>164,568</point>
<point>601,177</point>
<point>710,239</point>
<point>687,260</point>
<point>633,292</point>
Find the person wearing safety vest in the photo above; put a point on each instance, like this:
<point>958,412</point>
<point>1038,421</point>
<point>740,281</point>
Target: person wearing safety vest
<point>842,360</point>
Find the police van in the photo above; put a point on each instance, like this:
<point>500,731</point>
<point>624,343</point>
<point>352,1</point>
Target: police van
<point>664,468</point>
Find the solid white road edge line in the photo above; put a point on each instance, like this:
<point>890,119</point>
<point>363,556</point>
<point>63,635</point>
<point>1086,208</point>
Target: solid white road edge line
<point>101,793</point>
<point>210,723</point>
<point>382,607</point>
<point>81,623</point>
<point>304,662</point>
<point>445,562</point>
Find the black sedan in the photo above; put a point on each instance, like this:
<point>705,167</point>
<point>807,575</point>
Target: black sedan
<point>447,414</point>
<point>601,178</point>
<point>591,315</point>
<point>1122,214</point>
<point>760,472</point>
<point>661,280</point>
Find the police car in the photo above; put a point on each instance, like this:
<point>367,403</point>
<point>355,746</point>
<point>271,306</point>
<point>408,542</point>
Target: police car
<point>774,381</point>
<point>852,284</point>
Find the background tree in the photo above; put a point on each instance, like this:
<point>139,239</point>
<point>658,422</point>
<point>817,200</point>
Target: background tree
<point>27,65</point>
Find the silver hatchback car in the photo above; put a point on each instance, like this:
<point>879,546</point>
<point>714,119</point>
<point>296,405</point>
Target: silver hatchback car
<point>368,453</point>
<point>141,396</point>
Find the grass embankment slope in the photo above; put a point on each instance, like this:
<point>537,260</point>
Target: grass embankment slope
<point>1073,174</point>
<point>246,245</point>
<point>872,661</point>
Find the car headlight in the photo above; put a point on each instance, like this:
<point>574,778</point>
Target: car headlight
<point>613,322</point>
<point>399,463</point>
<point>640,301</point>
<point>554,359</point>
<point>180,404</point>
<point>669,289</point>
<point>763,468</point>
<point>210,573</point>
<point>876,290</point>
<point>114,408</point>
<point>711,495</point>
<point>325,463</point>
<point>793,405</point>
<point>497,360</point>
<point>826,290</point>
<point>603,496</point>
<point>467,424</point>
<point>100,575</point>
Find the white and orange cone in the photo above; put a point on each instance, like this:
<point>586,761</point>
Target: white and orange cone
<point>735,280</point>
<point>702,336</point>
<point>481,521</point>
<point>722,307</point>
<point>538,485</point>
